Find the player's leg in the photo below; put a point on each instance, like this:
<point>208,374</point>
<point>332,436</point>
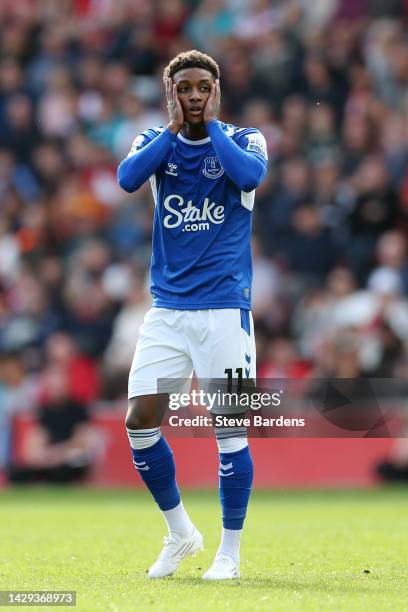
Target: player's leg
<point>154,461</point>
<point>159,354</point>
<point>230,350</point>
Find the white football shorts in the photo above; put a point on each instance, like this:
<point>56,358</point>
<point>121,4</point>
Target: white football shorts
<point>174,343</point>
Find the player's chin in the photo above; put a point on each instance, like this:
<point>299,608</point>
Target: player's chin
<point>195,119</point>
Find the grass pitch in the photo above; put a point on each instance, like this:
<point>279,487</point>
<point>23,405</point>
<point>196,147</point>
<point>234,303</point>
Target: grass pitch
<point>300,550</point>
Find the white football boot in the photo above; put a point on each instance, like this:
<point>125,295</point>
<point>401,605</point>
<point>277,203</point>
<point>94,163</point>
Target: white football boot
<point>175,549</point>
<point>223,568</point>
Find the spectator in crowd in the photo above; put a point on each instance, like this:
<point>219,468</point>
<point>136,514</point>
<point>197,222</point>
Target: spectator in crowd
<point>18,393</point>
<point>61,445</point>
<point>391,251</point>
<point>119,352</point>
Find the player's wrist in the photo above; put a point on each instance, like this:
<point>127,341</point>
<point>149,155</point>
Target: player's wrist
<point>210,120</point>
<point>173,127</point>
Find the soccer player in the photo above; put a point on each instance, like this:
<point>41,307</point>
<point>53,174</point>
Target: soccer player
<point>203,175</point>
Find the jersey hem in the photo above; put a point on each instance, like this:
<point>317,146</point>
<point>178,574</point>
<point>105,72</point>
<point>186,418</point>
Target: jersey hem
<point>201,306</point>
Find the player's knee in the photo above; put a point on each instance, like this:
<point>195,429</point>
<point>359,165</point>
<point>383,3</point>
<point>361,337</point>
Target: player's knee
<point>135,421</point>
<point>139,415</point>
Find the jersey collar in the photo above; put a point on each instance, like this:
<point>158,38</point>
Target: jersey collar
<point>193,142</point>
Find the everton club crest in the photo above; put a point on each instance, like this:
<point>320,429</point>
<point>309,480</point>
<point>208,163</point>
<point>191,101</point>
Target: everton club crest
<point>212,168</point>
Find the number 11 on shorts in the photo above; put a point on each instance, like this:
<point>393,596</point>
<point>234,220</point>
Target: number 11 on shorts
<point>238,371</point>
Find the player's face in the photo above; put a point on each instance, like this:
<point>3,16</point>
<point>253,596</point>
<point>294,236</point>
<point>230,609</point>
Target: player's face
<point>193,90</point>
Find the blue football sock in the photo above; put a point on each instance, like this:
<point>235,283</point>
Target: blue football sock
<point>236,474</point>
<point>157,469</point>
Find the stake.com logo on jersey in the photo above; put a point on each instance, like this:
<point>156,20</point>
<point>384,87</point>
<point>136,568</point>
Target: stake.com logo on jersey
<point>195,219</point>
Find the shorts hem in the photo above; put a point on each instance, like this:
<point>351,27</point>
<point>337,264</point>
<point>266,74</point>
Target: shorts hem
<point>138,393</point>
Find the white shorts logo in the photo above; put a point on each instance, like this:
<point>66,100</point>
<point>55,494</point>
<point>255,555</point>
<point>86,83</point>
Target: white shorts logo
<point>212,168</point>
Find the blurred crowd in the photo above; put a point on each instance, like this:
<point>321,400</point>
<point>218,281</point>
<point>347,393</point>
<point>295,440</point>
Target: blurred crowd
<point>327,84</point>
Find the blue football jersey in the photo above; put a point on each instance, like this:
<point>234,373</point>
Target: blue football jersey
<point>201,253</point>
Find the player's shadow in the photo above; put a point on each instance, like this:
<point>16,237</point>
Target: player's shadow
<point>283,583</point>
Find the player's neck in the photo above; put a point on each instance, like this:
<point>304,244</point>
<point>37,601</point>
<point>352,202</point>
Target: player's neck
<point>194,132</point>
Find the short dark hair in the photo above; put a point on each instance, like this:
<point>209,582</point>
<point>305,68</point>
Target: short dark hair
<point>191,59</point>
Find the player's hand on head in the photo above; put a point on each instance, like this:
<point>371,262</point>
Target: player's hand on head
<point>212,108</point>
<point>176,115</point>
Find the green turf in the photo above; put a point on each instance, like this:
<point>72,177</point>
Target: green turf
<point>300,551</point>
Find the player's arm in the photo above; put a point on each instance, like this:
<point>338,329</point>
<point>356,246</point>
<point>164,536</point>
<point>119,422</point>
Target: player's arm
<point>146,155</point>
<point>148,151</point>
<point>245,167</point>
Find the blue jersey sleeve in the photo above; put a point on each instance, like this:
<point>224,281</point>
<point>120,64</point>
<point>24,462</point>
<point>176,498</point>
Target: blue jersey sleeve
<point>147,153</point>
<point>244,158</point>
